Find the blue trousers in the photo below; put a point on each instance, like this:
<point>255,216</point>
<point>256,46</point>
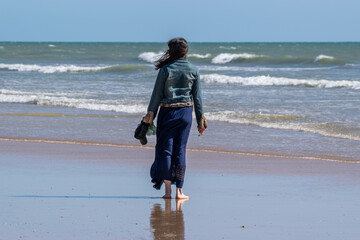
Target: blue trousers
<point>172,134</point>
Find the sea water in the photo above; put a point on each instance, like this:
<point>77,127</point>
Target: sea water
<point>270,98</point>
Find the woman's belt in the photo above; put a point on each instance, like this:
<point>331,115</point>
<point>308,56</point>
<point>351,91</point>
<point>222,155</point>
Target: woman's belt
<point>187,104</point>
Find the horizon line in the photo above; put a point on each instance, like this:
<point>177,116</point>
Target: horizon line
<point>188,41</point>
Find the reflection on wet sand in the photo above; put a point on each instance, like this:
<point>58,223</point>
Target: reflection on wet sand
<point>168,223</point>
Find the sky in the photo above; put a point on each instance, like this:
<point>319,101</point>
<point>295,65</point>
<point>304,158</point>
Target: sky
<point>196,20</point>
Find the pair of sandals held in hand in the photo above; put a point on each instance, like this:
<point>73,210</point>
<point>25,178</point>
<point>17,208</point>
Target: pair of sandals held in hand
<point>148,121</point>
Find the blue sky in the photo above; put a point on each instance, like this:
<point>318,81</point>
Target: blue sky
<point>196,20</point>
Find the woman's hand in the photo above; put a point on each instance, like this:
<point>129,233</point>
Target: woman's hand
<point>201,131</point>
<point>202,125</point>
<point>148,118</point>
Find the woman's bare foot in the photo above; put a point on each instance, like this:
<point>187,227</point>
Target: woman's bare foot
<point>180,194</point>
<point>167,189</point>
<point>167,196</point>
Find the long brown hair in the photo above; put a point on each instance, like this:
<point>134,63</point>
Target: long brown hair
<point>178,48</point>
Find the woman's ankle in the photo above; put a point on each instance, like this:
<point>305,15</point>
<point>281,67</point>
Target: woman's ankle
<point>179,191</point>
<point>167,187</point>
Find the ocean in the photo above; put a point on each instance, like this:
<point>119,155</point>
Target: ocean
<point>298,99</point>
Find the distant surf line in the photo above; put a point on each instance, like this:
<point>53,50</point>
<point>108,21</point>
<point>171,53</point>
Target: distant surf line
<point>35,140</point>
<point>70,68</point>
<point>67,115</point>
<point>266,80</point>
<point>226,57</point>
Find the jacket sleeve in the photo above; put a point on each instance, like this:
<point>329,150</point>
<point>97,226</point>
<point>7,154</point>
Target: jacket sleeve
<point>197,97</point>
<point>158,92</point>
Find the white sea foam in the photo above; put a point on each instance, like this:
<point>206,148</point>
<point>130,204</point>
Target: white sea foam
<point>195,55</point>
<point>150,56</point>
<point>232,48</point>
<point>279,81</point>
<point>59,99</point>
<point>322,57</point>
<point>247,118</point>
<point>352,65</point>
<point>259,69</point>
<point>1,47</point>
<point>50,68</point>
<point>67,68</point>
<point>278,121</point>
<point>51,45</point>
<point>228,57</point>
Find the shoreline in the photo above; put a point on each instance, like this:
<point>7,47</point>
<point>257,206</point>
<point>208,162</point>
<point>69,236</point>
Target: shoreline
<point>35,140</point>
<point>73,124</point>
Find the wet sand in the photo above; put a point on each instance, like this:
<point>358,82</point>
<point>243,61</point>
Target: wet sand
<point>72,191</point>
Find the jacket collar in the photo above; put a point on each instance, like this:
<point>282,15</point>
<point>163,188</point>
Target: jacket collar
<point>181,60</point>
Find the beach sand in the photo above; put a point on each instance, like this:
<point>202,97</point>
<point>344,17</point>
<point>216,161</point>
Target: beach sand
<point>80,191</point>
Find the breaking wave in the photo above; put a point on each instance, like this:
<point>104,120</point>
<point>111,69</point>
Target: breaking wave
<point>288,122</point>
<point>195,55</point>
<point>324,58</point>
<point>63,99</point>
<point>228,57</point>
<point>67,68</point>
<point>150,57</point>
<point>279,81</point>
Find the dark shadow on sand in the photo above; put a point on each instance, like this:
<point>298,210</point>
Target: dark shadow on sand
<point>88,196</point>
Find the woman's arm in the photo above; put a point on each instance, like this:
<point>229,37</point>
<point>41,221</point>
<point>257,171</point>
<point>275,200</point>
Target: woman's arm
<point>157,95</point>
<point>197,97</point>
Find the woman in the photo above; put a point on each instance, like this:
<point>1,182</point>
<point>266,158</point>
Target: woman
<point>176,91</point>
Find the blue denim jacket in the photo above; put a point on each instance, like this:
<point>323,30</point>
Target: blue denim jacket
<point>177,82</point>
